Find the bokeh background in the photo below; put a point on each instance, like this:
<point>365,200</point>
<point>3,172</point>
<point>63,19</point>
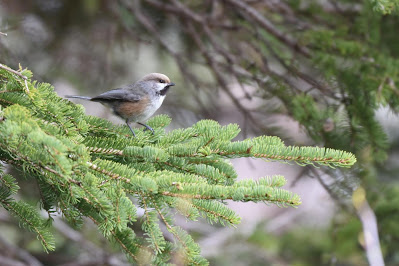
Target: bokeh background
<point>319,73</point>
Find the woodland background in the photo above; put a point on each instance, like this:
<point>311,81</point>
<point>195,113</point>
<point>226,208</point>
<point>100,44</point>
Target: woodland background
<point>323,73</point>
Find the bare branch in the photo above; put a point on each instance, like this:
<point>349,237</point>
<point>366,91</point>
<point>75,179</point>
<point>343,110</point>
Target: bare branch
<point>266,24</point>
<point>18,74</point>
<point>13,71</point>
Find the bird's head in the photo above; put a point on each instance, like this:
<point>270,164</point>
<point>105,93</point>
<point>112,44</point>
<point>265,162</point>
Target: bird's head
<point>158,82</point>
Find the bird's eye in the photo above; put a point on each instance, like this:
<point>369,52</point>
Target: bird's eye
<point>161,81</point>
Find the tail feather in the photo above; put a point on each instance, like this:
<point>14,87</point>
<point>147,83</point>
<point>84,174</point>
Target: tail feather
<point>79,97</point>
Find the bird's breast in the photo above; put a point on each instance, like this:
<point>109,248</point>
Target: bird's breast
<point>138,111</point>
<point>158,100</point>
<point>127,109</point>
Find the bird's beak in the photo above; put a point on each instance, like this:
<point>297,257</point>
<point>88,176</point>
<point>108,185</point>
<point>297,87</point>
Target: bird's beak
<point>171,84</point>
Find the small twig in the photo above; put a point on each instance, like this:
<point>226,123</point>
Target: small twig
<point>13,71</point>
<point>268,26</point>
<point>150,27</point>
<point>2,33</point>
<point>18,74</point>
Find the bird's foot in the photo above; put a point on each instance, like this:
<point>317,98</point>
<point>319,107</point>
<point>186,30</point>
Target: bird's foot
<point>146,127</point>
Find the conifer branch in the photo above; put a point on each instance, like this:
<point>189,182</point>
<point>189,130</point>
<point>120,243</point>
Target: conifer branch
<point>89,167</point>
<point>22,216</point>
<point>149,224</point>
<point>13,71</point>
<point>187,250</point>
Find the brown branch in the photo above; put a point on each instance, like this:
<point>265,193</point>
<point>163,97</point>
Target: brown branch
<point>213,64</point>
<point>18,74</point>
<point>193,23</point>
<point>13,71</point>
<point>188,19</point>
<point>268,26</point>
<point>150,27</point>
<point>177,8</point>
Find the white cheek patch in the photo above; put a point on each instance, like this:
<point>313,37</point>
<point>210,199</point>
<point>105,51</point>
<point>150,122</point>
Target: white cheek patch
<point>160,86</point>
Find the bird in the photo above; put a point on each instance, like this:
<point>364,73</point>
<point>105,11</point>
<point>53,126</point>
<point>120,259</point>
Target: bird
<point>135,102</point>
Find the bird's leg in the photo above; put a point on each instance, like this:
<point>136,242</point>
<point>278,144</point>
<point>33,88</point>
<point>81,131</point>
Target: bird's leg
<point>147,126</point>
<point>127,123</point>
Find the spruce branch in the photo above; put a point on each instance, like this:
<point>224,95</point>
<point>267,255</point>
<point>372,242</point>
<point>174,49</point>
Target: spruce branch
<point>27,215</point>
<point>88,167</point>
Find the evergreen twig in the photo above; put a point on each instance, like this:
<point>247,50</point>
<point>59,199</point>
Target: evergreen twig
<point>88,167</point>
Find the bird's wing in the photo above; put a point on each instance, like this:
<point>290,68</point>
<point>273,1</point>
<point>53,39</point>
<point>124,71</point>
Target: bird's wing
<point>118,95</point>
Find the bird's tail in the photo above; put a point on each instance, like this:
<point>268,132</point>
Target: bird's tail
<point>78,97</point>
